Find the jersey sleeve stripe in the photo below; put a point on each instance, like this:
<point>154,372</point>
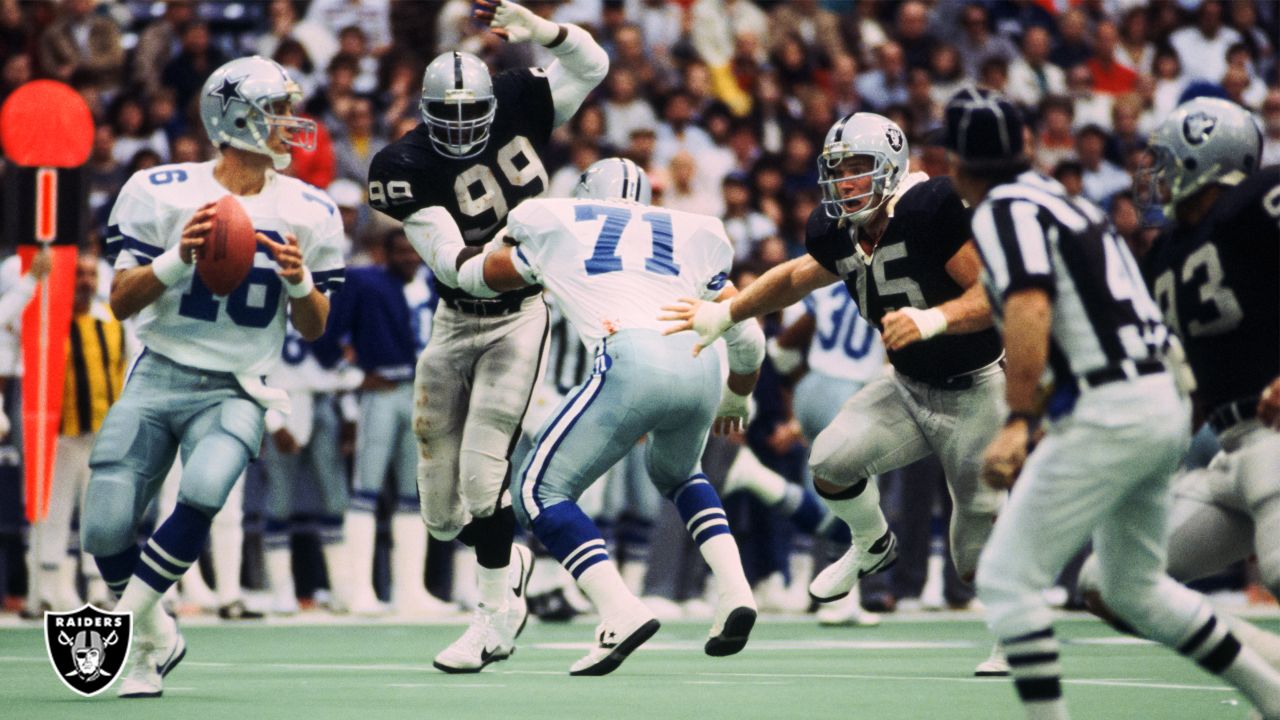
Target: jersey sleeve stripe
<point>117,241</point>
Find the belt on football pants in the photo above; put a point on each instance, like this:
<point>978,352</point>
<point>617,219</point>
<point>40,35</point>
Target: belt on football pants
<point>1227,415</point>
<point>485,308</point>
<point>963,381</point>
<point>1126,370</point>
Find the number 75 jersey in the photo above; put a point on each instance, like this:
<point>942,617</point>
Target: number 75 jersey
<point>244,331</point>
<point>612,264</point>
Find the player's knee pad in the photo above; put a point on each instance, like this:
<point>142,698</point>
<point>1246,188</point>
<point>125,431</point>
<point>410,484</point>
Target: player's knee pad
<point>828,459</point>
<point>112,526</point>
<point>211,471</point>
<point>243,420</point>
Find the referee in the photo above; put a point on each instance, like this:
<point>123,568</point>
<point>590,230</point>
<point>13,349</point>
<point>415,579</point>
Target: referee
<point>1073,309</point>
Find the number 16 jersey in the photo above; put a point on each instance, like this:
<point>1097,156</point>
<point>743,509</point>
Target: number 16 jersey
<point>244,331</point>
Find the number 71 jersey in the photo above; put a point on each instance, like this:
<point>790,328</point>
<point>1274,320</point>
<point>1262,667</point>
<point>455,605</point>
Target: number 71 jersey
<point>478,192</point>
<point>612,264</point>
<point>244,331</point>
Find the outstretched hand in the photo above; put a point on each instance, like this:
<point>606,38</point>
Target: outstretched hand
<point>513,22</point>
<point>708,319</point>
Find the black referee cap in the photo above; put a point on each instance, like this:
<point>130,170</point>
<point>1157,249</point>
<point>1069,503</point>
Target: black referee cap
<point>983,128</point>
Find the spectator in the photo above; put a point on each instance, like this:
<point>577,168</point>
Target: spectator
<point>332,102</point>
<point>1134,50</point>
<point>82,40</point>
<point>994,75</point>
<point>1032,76</point>
<point>1244,19</point>
<point>1090,107</point>
<point>921,102</point>
<point>1271,127</point>
<point>1070,173</point>
<point>132,132</point>
<point>684,192</point>
<point>843,93</point>
<point>624,109</point>
<point>946,73</point>
<point>812,25</point>
<point>292,56</point>
<point>791,61</point>
<point>1127,220</point>
<point>1109,76</point>
<point>163,116</point>
<point>189,149</point>
<point>1073,41</point>
<point>1169,83</point>
<point>156,44</point>
<point>353,43</point>
<point>106,172</point>
<point>354,149</point>
<point>677,132</point>
<point>187,71</point>
<point>977,44</point>
<point>915,42</point>
<point>1202,48</point>
<point>799,171</point>
<point>1243,86</point>
<point>770,115</point>
<point>16,72</point>
<point>745,226</point>
<point>1126,135</point>
<point>282,18</point>
<point>743,144</point>
<point>1055,142</point>
<point>1101,178</point>
<point>373,17</point>
<point>887,84</point>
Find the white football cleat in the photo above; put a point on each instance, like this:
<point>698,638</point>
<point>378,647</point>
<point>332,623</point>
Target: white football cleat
<point>149,661</point>
<point>840,576</point>
<point>996,664</point>
<point>518,573</point>
<point>487,640</point>
<point>617,638</point>
<point>847,612</point>
<point>735,616</point>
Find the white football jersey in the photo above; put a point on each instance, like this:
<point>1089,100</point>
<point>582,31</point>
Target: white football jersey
<point>244,331</point>
<point>844,345</point>
<point>612,264</point>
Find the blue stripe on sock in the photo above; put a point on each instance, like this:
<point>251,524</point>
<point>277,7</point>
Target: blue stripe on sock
<point>693,499</point>
<point>117,569</point>
<point>364,500</point>
<point>182,536</point>
<point>566,532</point>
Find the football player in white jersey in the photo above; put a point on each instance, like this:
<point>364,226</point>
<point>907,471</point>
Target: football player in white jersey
<point>198,385</point>
<point>611,262</point>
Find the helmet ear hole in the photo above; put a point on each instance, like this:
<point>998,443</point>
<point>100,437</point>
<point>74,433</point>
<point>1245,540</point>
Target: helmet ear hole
<point>240,123</point>
<point>1190,164</point>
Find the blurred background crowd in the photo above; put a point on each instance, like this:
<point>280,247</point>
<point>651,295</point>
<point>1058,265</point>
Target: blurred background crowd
<point>724,102</point>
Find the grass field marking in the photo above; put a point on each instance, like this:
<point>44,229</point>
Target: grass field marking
<point>434,686</point>
<point>947,678</point>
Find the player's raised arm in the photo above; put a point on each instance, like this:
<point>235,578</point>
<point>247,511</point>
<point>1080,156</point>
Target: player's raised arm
<point>580,62</point>
<point>781,286</point>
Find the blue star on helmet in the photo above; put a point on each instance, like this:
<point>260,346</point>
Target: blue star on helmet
<point>229,90</point>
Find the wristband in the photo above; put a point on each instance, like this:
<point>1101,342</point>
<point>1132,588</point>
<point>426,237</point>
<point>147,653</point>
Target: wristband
<point>169,267</point>
<point>931,322</point>
<point>561,33</point>
<point>300,289</point>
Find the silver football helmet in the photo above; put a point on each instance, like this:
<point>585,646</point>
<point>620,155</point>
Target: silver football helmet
<point>865,135</point>
<point>239,105</point>
<point>458,103</point>
<point>614,179</point>
<point>1205,141</point>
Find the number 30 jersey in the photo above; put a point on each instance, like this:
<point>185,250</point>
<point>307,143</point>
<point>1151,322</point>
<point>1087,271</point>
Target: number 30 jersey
<point>478,192</point>
<point>243,332</point>
<point>612,264</point>
<point>1215,283</point>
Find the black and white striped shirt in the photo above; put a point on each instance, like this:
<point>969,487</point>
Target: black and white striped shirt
<point>1030,234</point>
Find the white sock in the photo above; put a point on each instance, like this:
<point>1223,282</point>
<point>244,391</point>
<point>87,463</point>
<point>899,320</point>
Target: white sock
<point>603,585</point>
<point>547,575</point>
<point>633,572</point>
<point>1262,642</point>
<point>1047,710</point>
<point>280,573</point>
<point>143,601</point>
<point>408,556</point>
<point>493,586</point>
<point>863,515</point>
<point>721,554</point>
<point>747,471</point>
<point>359,535</point>
<point>227,542</point>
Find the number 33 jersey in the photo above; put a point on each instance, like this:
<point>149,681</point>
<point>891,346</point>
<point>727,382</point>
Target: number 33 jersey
<point>611,264</point>
<point>1216,285</point>
<point>478,192</point>
<point>243,332</point>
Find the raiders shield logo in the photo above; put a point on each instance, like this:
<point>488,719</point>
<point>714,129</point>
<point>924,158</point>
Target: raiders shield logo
<point>1198,127</point>
<point>894,136</point>
<point>88,647</point>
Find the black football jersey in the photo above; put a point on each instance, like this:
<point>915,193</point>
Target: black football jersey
<point>1216,285</point>
<point>908,269</point>
<point>478,192</point>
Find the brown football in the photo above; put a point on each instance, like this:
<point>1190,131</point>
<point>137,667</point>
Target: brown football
<point>227,255</point>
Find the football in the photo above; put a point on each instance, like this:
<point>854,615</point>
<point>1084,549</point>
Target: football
<point>227,256</point>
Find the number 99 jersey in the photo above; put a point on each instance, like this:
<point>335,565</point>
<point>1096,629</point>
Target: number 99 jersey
<point>244,331</point>
<point>478,192</point>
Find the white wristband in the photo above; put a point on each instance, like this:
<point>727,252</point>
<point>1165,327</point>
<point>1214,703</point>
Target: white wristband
<point>302,288</point>
<point>711,320</point>
<point>931,322</point>
<point>168,266</point>
<point>471,278</point>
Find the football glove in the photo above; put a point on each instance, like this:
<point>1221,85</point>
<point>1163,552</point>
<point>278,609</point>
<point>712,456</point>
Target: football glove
<point>710,321</point>
<point>522,24</point>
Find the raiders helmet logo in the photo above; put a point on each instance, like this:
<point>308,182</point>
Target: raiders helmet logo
<point>88,647</point>
<point>1198,127</point>
<point>894,136</point>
